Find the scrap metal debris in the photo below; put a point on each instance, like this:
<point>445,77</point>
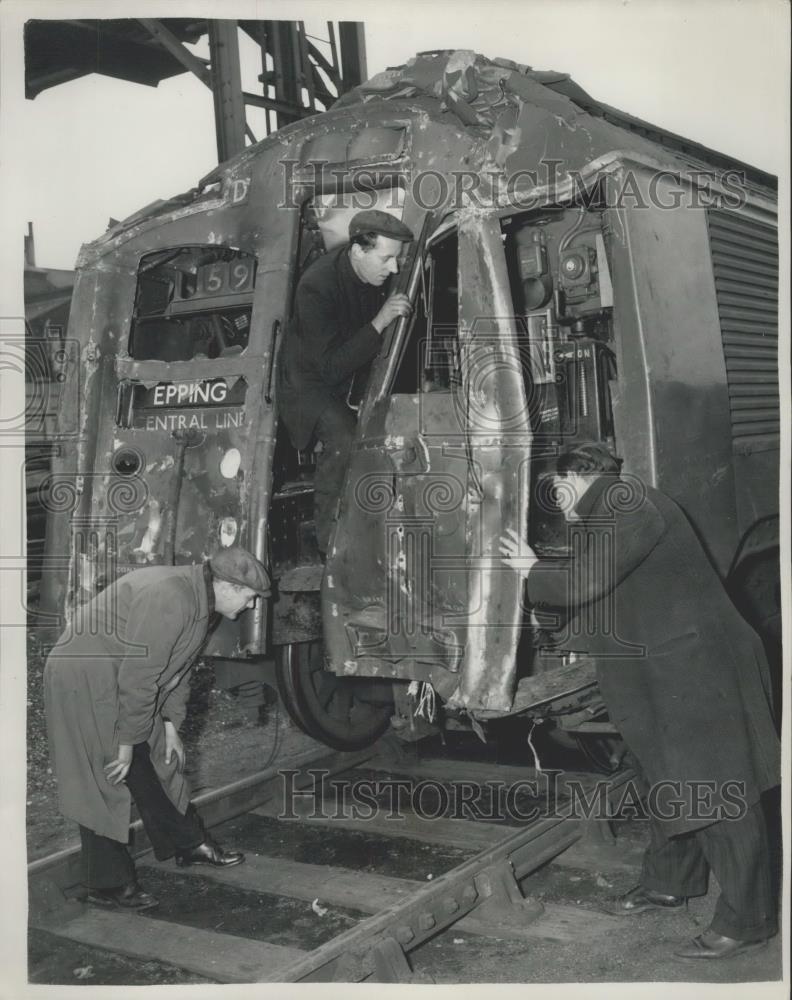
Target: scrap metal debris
<point>424,694</point>
<point>537,762</point>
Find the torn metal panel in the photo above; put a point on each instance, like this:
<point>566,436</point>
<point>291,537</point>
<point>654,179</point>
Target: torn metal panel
<point>499,439</point>
<point>486,96</point>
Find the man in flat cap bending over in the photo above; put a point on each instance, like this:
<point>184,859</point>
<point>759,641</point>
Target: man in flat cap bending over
<point>341,310</point>
<point>115,694</point>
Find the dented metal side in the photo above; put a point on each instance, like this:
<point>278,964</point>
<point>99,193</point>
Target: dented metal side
<point>201,473</point>
<point>415,586</point>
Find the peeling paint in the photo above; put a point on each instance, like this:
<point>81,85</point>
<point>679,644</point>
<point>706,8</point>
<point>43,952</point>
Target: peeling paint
<point>87,573</point>
<point>149,541</point>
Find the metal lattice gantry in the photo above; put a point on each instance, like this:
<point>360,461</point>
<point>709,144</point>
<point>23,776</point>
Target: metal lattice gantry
<point>299,74</point>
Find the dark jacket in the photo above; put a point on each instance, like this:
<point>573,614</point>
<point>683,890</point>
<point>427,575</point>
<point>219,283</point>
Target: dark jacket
<point>684,677</point>
<point>122,664</point>
<point>330,338</point>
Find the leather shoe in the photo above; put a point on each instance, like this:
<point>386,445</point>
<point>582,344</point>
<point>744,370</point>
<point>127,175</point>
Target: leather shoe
<point>126,897</point>
<point>711,945</point>
<point>209,853</point>
<point>639,899</point>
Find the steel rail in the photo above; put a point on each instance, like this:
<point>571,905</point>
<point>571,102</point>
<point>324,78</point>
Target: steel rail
<point>485,886</point>
<point>373,946</point>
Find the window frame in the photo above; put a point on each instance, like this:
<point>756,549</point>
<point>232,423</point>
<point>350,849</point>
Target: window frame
<point>404,334</point>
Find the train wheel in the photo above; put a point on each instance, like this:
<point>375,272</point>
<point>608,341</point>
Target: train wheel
<point>345,713</point>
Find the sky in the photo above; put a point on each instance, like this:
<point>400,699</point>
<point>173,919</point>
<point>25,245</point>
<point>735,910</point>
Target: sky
<point>715,71</point>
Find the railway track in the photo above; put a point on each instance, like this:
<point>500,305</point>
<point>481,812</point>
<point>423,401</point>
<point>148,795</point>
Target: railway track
<point>368,823</point>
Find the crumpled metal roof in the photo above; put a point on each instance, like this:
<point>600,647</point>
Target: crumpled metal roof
<point>504,102</point>
<point>474,88</point>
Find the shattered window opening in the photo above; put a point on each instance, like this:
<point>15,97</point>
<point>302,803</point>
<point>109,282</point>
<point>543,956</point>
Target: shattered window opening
<point>430,360</point>
<point>193,303</point>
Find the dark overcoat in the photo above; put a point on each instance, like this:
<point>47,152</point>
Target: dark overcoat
<point>684,677</point>
<point>118,668</point>
<point>330,338</point>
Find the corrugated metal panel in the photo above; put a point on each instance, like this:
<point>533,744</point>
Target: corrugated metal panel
<point>745,265</point>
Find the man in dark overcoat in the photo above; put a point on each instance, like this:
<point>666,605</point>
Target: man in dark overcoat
<point>340,312</point>
<point>685,681</point>
<point>115,694</point>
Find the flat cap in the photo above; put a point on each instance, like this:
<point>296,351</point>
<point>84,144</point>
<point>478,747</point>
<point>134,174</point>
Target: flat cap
<point>381,223</point>
<point>237,565</point>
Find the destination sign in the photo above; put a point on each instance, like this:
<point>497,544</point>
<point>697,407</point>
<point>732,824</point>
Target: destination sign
<point>182,395</point>
<point>224,277</point>
<point>200,420</point>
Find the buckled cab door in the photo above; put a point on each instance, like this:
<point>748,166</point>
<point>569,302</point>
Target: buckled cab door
<point>414,587</point>
<point>395,592</point>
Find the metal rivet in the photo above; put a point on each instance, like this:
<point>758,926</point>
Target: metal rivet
<point>404,934</point>
<point>426,921</point>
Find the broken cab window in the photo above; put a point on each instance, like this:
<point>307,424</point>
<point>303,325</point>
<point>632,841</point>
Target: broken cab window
<point>430,361</point>
<point>192,303</point>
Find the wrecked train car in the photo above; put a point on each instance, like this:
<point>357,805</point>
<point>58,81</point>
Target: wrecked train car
<point>578,274</point>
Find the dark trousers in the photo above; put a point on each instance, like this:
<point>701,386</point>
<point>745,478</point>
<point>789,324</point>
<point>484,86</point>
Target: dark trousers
<point>737,853</point>
<point>107,862</point>
<point>336,430</point>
